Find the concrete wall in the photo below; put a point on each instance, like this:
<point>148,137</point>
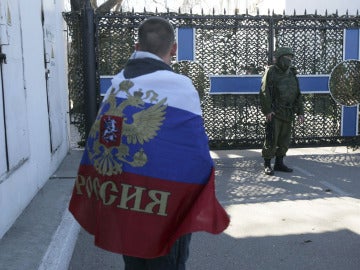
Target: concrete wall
<point>33,107</point>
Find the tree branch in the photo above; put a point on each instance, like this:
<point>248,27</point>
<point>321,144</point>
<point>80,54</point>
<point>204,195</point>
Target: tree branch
<point>76,5</point>
<point>94,4</point>
<point>108,5</point>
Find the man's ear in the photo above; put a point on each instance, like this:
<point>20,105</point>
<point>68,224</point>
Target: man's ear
<point>173,49</point>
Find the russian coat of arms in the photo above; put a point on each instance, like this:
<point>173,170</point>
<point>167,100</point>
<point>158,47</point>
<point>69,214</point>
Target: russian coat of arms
<point>108,150</point>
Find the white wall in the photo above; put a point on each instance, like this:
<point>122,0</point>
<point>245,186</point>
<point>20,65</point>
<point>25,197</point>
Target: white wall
<point>36,141</point>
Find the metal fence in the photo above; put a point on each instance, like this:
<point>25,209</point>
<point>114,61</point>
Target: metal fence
<point>229,45</point>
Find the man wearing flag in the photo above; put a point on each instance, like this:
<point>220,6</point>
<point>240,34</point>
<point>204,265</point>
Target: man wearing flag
<point>146,178</point>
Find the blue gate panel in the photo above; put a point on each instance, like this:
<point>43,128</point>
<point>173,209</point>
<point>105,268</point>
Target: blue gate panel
<point>349,121</point>
<point>351,45</point>
<point>186,44</point>
<point>250,84</point>
<point>312,84</point>
<point>349,118</point>
<point>234,84</point>
<point>245,84</point>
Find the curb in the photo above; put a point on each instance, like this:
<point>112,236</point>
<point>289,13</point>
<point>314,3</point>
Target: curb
<point>61,247</point>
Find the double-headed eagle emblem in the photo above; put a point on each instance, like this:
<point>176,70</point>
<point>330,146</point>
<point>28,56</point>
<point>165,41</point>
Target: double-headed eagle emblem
<point>113,130</point>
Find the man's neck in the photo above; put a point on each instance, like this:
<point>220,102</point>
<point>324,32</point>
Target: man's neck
<point>144,54</point>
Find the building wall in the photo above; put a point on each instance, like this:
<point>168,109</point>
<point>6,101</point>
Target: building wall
<point>33,107</point>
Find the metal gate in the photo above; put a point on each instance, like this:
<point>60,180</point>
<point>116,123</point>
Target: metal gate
<point>225,56</point>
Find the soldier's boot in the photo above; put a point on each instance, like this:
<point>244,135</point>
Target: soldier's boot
<point>280,166</point>
<point>267,167</point>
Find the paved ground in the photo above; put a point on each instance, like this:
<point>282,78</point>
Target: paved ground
<point>309,219</point>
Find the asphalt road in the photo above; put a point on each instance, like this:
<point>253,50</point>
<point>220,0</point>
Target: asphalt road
<point>308,219</point>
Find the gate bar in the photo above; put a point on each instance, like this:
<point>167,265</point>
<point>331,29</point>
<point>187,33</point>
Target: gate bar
<point>89,66</point>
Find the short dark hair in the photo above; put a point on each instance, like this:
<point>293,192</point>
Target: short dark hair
<point>156,35</point>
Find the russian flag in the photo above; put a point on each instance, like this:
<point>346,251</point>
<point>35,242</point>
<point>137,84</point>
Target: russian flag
<point>146,176</point>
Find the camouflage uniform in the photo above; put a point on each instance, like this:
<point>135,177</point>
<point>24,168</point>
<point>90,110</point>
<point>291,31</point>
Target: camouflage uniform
<point>280,94</point>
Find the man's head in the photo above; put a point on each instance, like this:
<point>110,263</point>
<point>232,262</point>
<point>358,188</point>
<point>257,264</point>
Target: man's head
<point>284,51</point>
<point>156,35</point>
<point>284,56</point>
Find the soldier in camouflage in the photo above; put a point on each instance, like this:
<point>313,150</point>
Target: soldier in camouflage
<point>280,100</point>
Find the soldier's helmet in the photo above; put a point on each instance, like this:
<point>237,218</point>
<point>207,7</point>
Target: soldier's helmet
<point>283,51</point>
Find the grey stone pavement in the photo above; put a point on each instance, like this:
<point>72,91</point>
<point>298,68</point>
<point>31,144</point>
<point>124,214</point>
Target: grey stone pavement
<point>308,219</point>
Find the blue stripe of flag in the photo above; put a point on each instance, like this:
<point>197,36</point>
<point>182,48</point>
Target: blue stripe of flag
<point>105,83</point>
<point>182,158</point>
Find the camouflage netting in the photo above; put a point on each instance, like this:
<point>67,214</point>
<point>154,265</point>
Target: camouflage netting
<point>230,45</point>
<point>76,72</point>
<point>346,75</point>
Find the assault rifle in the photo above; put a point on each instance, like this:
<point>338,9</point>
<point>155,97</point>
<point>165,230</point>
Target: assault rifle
<point>269,125</point>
